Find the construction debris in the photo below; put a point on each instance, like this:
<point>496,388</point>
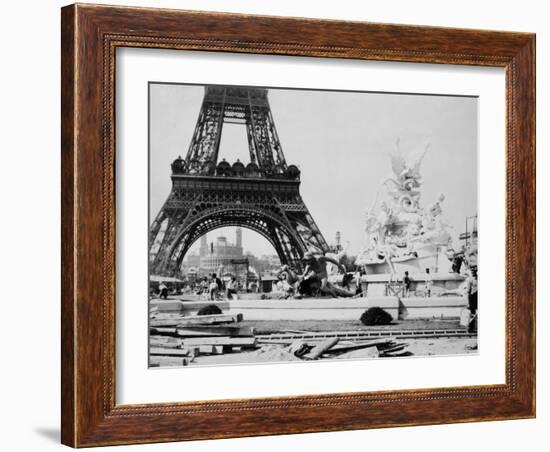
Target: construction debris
<point>320,348</point>
<point>349,346</point>
<point>210,349</point>
<point>178,340</point>
<point>361,353</point>
<point>169,361</point>
<point>215,330</point>
<point>173,335</point>
<point>154,342</point>
<point>167,320</point>
<point>158,351</point>
<point>392,350</point>
<point>274,353</point>
<point>221,340</point>
<point>299,349</point>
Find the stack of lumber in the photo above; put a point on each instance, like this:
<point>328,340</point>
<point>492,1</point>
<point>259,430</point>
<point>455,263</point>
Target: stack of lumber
<point>178,340</point>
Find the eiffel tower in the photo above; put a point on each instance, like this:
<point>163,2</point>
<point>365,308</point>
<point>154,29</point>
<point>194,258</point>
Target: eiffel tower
<point>263,195</point>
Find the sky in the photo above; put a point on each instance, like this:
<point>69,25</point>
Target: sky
<point>341,141</point>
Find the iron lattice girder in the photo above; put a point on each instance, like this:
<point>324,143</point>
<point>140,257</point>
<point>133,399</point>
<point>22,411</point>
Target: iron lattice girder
<point>263,196</point>
<point>198,204</point>
<point>242,105</point>
<point>186,191</point>
<point>255,220</point>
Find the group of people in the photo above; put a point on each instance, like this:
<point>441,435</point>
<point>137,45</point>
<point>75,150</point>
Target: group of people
<point>215,288</point>
<point>428,282</point>
<point>314,282</point>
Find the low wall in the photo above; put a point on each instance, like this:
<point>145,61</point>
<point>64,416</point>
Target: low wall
<point>432,307</point>
<point>305,309</point>
<point>346,309</point>
<point>325,308</point>
<point>185,307</point>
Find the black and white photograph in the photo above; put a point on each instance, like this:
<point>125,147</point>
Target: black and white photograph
<point>295,225</point>
<point>261,226</point>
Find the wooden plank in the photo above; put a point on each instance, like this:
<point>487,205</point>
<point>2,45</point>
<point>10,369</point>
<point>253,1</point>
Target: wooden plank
<point>169,361</point>
<point>343,348</point>
<point>185,332</point>
<point>275,341</point>
<point>182,316</point>
<point>390,351</point>
<point>163,323</point>
<point>162,351</point>
<point>388,346</point>
<point>154,331</point>
<point>164,344</point>
<point>211,349</point>
<point>200,331</point>
<point>195,320</point>
<point>164,339</point>
<point>216,330</point>
<point>171,315</point>
<point>213,319</point>
<point>222,340</point>
<point>321,348</point>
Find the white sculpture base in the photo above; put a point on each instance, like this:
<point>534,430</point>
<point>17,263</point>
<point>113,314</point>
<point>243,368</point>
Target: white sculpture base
<point>376,285</point>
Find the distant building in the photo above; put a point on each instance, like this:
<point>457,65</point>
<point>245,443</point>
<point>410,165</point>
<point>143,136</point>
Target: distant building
<point>194,260</point>
<point>272,260</point>
<point>217,255</point>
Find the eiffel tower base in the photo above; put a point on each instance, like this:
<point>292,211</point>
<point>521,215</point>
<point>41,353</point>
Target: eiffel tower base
<point>198,204</point>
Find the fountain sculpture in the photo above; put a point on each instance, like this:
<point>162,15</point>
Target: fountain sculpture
<point>402,235</point>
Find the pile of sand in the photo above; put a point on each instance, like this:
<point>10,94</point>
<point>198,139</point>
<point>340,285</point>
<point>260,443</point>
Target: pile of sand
<point>274,353</point>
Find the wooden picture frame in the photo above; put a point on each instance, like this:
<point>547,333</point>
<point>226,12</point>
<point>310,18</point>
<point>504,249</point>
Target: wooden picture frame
<point>90,35</point>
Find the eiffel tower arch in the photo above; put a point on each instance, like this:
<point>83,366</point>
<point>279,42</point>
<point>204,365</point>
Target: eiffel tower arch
<point>263,195</point>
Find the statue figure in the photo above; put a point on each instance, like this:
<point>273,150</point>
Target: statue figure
<point>435,228</point>
<point>405,192</point>
<point>398,228</point>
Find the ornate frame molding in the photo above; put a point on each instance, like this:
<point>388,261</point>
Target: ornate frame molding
<point>90,37</point>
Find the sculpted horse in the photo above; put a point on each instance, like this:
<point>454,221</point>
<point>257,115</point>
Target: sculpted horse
<point>313,286</point>
<point>309,288</point>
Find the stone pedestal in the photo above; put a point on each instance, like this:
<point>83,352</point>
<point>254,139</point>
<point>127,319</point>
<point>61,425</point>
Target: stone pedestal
<point>442,283</point>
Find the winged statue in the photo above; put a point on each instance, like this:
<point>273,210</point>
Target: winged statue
<point>407,170</point>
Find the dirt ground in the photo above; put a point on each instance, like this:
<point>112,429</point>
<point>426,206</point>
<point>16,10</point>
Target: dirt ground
<point>441,346</point>
<point>417,347</point>
<point>278,354</point>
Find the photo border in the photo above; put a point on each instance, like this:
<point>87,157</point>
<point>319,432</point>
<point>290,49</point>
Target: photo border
<point>90,36</point>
